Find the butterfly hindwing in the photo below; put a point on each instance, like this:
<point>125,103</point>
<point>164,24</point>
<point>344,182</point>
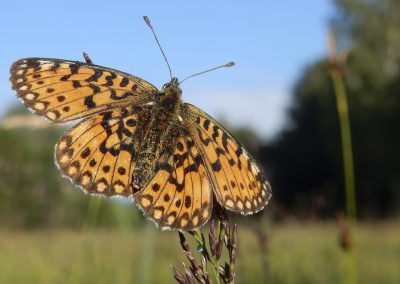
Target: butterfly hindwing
<point>63,90</point>
<point>239,185</point>
<point>99,153</point>
<point>180,195</point>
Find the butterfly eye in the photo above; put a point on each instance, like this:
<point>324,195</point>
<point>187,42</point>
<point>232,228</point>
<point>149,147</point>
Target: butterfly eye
<point>167,85</point>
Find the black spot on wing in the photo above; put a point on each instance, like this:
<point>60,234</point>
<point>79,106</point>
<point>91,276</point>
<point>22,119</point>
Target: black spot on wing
<point>97,74</point>
<point>124,96</point>
<point>76,84</point>
<point>216,166</point>
<point>65,77</point>
<point>110,79</point>
<point>215,132</point>
<point>225,141</point>
<point>96,89</point>
<point>204,141</point>
<point>188,201</point>
<point>206,124</point>
<point>55,66</point>
<point>124,82</point>
<point>89,102</point>
<point>74,68</point>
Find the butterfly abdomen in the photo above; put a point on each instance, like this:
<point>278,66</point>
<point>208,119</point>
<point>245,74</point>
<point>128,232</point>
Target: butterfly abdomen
<point>155,145</point>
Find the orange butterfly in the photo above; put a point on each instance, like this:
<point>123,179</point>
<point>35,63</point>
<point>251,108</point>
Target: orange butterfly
<point>137,141</point>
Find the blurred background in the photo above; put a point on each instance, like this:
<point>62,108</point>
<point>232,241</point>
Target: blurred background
<point>280,102</point>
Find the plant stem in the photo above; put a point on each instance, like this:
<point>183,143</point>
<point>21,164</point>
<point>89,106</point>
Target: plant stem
<point>348,166</point>
<point>342,106</point>
<point>199,237</point>
<point>336,70</point>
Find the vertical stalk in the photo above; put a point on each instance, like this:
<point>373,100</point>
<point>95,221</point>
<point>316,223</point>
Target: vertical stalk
<point>347,152</point>
<point>337,63</point>
<point>348,167</point>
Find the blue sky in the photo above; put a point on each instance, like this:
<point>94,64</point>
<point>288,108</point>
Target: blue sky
<point>270,41</point>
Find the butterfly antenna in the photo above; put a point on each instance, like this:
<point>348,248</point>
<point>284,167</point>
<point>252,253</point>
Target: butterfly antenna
<point>146,19</point>
<point>230,64</point>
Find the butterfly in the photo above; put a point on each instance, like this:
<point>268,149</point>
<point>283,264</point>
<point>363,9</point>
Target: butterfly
<point>133,140</point>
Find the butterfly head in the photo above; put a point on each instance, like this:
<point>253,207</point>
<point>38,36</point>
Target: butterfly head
<point>171,95</point>
<point>172,89</point>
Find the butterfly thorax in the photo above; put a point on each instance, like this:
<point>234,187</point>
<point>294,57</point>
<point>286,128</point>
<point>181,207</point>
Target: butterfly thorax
<point>165,114</point>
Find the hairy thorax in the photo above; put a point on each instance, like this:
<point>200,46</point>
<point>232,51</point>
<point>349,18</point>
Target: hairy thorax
<point>165,114</point>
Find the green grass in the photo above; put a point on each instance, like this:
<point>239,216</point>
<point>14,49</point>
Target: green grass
<point>298,253</point>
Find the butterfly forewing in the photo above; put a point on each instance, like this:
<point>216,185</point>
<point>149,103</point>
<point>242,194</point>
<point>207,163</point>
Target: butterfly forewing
<point>99,154</point>
<point>239,185</point>
<point>180,195</point>
<point>63,90</point>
